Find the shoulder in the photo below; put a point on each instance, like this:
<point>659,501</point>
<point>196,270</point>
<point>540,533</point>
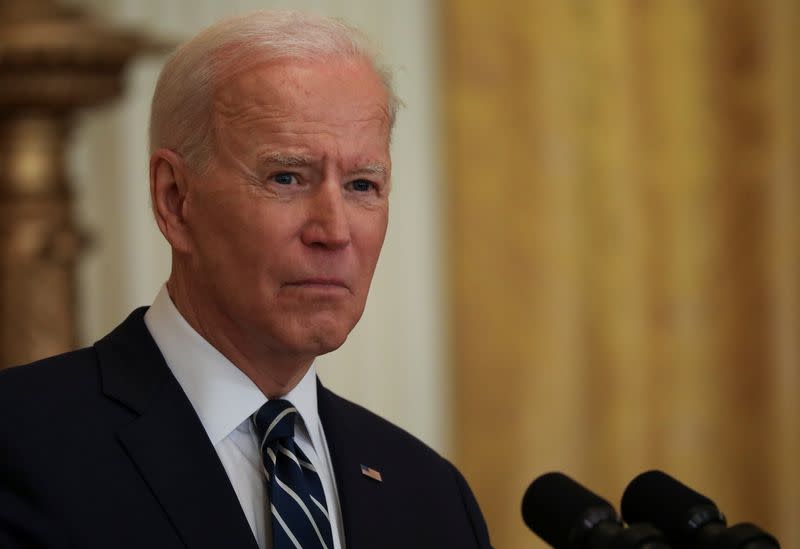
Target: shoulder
<point>35,393</point>
<point>73,369</point>
<point>69,384</point>
<point>50,377</point>
<point>370,426</point>
<point>408,465</point>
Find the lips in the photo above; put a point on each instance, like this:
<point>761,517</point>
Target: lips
<point>319,283</point>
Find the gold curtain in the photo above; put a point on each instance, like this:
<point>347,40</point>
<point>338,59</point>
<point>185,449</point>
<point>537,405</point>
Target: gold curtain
<point>624,228</point>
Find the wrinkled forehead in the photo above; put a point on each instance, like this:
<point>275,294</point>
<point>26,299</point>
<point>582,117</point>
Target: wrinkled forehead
<point>334,113</point>
<point>341,91</point>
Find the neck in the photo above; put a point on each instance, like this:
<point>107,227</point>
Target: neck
<point>273,373</point>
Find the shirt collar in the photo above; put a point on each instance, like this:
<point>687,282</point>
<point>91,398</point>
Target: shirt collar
<point>220,393</point>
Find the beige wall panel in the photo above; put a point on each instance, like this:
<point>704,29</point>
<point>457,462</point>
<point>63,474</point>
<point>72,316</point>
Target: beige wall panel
<point>515,262</point>
<point>783,257</point>
<point>738,148</point>
<point>624,249</point>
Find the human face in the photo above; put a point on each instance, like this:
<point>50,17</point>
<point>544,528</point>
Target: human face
<point>287,223</point>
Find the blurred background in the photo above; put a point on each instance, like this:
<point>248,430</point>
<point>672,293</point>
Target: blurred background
<point>593,261</point>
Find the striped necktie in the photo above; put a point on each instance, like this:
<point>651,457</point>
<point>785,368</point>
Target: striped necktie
<point>297,501</point>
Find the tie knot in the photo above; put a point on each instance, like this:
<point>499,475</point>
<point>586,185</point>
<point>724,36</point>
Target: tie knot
<point>275,421</point>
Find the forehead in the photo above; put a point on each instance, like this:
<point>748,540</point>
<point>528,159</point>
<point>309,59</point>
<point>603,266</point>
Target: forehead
<point>296,99</point>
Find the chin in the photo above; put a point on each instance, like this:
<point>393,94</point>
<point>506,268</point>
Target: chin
<point>317,333</point>
<point>317,339</point>
<point>326,342</point>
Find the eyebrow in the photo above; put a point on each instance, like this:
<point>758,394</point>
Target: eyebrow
<point>376,168</point>
<point>287,160</point>
<point>301,161</point>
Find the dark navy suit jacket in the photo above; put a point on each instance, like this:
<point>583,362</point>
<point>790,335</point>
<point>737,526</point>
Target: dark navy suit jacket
<point>100,448</point>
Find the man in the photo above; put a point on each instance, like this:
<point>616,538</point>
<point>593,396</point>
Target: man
<point>200,422</point>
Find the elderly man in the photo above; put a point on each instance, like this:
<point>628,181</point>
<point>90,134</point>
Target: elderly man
<point>200,422</point>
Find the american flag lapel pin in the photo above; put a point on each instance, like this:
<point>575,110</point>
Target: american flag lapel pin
<point>371,473</point>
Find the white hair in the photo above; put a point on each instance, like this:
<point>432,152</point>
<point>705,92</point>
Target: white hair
<point>181,114</point>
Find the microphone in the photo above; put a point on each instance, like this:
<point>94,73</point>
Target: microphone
<point>568,516</point>
<point>687,518</point>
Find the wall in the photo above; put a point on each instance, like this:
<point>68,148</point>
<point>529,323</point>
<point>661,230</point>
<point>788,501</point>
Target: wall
<point>625,249</point>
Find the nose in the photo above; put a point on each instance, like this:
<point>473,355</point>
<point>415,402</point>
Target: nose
<point>328,225</point>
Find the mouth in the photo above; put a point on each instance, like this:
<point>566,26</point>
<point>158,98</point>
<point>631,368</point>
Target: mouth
<point>319,284</point>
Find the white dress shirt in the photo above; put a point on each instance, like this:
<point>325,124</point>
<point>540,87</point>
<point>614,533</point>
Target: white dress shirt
<point>225,399</point>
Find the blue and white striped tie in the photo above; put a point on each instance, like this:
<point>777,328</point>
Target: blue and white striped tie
<point>297,501</point>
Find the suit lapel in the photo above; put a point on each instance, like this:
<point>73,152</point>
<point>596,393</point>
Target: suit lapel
<point>167,442</point>
<point>363,500</point>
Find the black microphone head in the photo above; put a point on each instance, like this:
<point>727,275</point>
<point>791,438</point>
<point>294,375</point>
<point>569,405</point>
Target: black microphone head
<point>559,510</point>
<point>671,506</point>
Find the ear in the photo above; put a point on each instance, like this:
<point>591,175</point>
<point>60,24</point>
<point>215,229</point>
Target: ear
<point>168,189</point>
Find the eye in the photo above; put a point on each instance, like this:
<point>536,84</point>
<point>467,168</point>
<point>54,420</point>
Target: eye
<point>362,185</point>
<point>284,178</point>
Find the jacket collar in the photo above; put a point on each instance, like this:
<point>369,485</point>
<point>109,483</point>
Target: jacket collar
<point>167,443</point>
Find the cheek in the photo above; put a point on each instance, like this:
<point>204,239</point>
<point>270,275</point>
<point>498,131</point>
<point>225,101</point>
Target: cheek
<point>369,232</point>
<point>245,221</point>
<point>228,234</point>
